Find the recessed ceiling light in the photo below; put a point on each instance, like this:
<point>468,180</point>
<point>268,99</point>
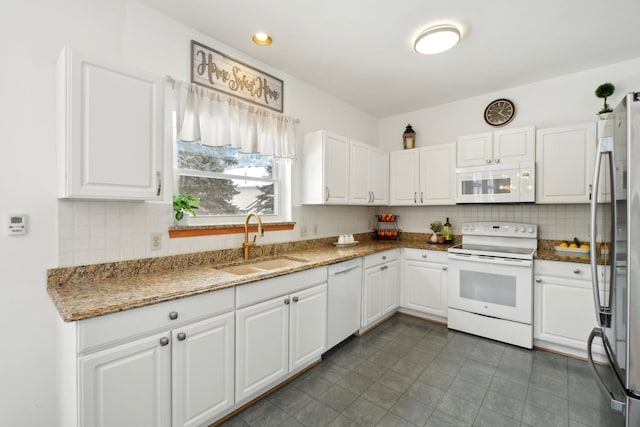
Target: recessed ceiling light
<point>262,39</point>
<point>437,39</point>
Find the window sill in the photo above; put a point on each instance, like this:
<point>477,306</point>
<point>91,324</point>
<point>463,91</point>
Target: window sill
<point>208,230</point>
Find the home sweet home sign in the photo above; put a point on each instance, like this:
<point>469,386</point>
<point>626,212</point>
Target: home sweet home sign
<point>218,71</point>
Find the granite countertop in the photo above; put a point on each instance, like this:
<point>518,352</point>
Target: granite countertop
<point>546,251</point>
<point>94,290</point>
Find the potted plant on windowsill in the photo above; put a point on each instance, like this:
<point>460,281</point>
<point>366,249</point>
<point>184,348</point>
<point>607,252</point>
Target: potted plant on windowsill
<point>436,227</point>
<point>184,204</point>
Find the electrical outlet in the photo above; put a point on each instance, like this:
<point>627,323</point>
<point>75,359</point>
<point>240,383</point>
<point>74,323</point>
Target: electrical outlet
<point>156,241</point>
<point>315,229</point>
<point>303,231</point>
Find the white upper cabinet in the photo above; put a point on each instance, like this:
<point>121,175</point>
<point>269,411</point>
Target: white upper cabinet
<point>500,146</point>
<point>110,130</point>
<point>368,175</point>
<point>424,176</point>
<point>565,160</point>
<point>325,165</point>
<point>437,174</point>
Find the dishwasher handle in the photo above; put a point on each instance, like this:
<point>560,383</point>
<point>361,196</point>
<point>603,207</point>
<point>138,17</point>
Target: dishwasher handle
<point>336,273</point>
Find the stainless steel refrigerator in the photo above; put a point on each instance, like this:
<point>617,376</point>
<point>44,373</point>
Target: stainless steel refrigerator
<point>615,222</point>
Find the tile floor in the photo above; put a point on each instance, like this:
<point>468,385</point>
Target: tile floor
<point>410,372</point>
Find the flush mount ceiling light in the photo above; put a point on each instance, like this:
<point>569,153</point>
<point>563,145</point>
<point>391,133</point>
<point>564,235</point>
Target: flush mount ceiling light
<point>262,39</point>
<point>437,39</point>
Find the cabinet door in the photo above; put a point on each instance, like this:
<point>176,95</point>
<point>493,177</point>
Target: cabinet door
<point>565,160</point>
<point>514,145</point>
<point>336,169</point>
<point>379,177</point>
<point>475,150</point>
<point>404,177</point>
<point>359,190</point>
<point>111,130</point>
<point>262,345</point>
<point>390,287</point>
<point>203,370</point>
<point>425,287</point>
<point>127,385</point>
<point>563,311</point>
<point>372,295</point>
<point>438,174</point>
<point>308,326</point>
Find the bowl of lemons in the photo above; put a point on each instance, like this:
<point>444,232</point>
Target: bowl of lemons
<point>574,246</point>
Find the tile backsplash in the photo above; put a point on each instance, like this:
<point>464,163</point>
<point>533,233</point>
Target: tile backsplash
<point>95,232</point>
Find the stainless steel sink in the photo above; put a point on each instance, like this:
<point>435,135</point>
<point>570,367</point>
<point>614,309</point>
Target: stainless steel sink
<point>258,266</point>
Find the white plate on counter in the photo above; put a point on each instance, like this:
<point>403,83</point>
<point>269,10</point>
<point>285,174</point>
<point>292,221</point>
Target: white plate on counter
<point>572,250</point>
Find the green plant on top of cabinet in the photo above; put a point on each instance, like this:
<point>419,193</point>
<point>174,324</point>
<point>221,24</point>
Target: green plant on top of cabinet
<point>565,159</point>
<point>368,175</point>
<point>423,176</point>
<point>325,166</point>
<point>500,146</point>
<point>110,130</point>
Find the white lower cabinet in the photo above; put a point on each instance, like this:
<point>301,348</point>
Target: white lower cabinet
<point>202,370</point>
<point>564,312</point>
<point>127,385</point>
<point>279,335</point>
<point>424,282</point>
<point>160,365</point>
<point>380,286</point>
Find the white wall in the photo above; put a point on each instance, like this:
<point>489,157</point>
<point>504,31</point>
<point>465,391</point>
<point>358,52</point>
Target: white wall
<point>563,100</point>
<point>33,33</point>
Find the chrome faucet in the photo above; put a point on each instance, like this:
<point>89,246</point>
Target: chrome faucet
<point>246,245</point>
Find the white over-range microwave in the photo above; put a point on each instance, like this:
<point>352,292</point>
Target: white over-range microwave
<point>501,183</point>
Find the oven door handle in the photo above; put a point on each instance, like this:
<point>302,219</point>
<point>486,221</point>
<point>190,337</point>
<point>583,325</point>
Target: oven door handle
<point>490,260</point>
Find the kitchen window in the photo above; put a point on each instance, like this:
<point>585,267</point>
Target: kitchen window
<point>231,184</point>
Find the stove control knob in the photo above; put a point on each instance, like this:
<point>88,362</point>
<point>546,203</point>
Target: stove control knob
<point>523,230</point>
<point>530,230</point>
<point>515,229</point>
<point>471,228</point>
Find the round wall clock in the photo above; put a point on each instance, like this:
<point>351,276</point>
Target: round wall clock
<point>499,112</point>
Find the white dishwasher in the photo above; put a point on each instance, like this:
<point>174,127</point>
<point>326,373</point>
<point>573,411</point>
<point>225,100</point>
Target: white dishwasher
<point>345,295</point>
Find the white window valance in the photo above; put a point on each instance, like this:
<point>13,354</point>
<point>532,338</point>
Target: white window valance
<point>215,119</point>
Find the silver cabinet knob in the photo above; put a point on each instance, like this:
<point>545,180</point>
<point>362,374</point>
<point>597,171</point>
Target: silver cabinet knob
<point>424,256</point>
<point>576,271</point>
<point>422,197</point>
<point>497,160</point>
<point>384,257</point>
<point>164,341</point>
<point>488,160</point>
<point>444,267</point>
<point>182,336</point>
<point>286,301</point>
<point>538,280</point>
<point>295,299</point>
<point>173,315</point>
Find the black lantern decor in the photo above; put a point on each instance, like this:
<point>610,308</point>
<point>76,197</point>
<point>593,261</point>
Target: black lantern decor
<point>409,138</point>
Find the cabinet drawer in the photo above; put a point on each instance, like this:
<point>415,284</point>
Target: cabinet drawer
<point>263,290</point>
<point>426,255</point>
<point>567,270</point>
<point>381,258</point>
<point>98,331</point>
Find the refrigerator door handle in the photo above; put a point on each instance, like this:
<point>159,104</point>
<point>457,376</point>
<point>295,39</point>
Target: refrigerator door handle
<point>616,404</point>
<point>603,315</point>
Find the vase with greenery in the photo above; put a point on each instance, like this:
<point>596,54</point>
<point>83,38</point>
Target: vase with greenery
<point>603,91</point>
<point>436,227</point>
<point>184,204</point>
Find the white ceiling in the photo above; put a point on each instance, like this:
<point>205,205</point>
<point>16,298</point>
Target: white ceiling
<point>362,50</point>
